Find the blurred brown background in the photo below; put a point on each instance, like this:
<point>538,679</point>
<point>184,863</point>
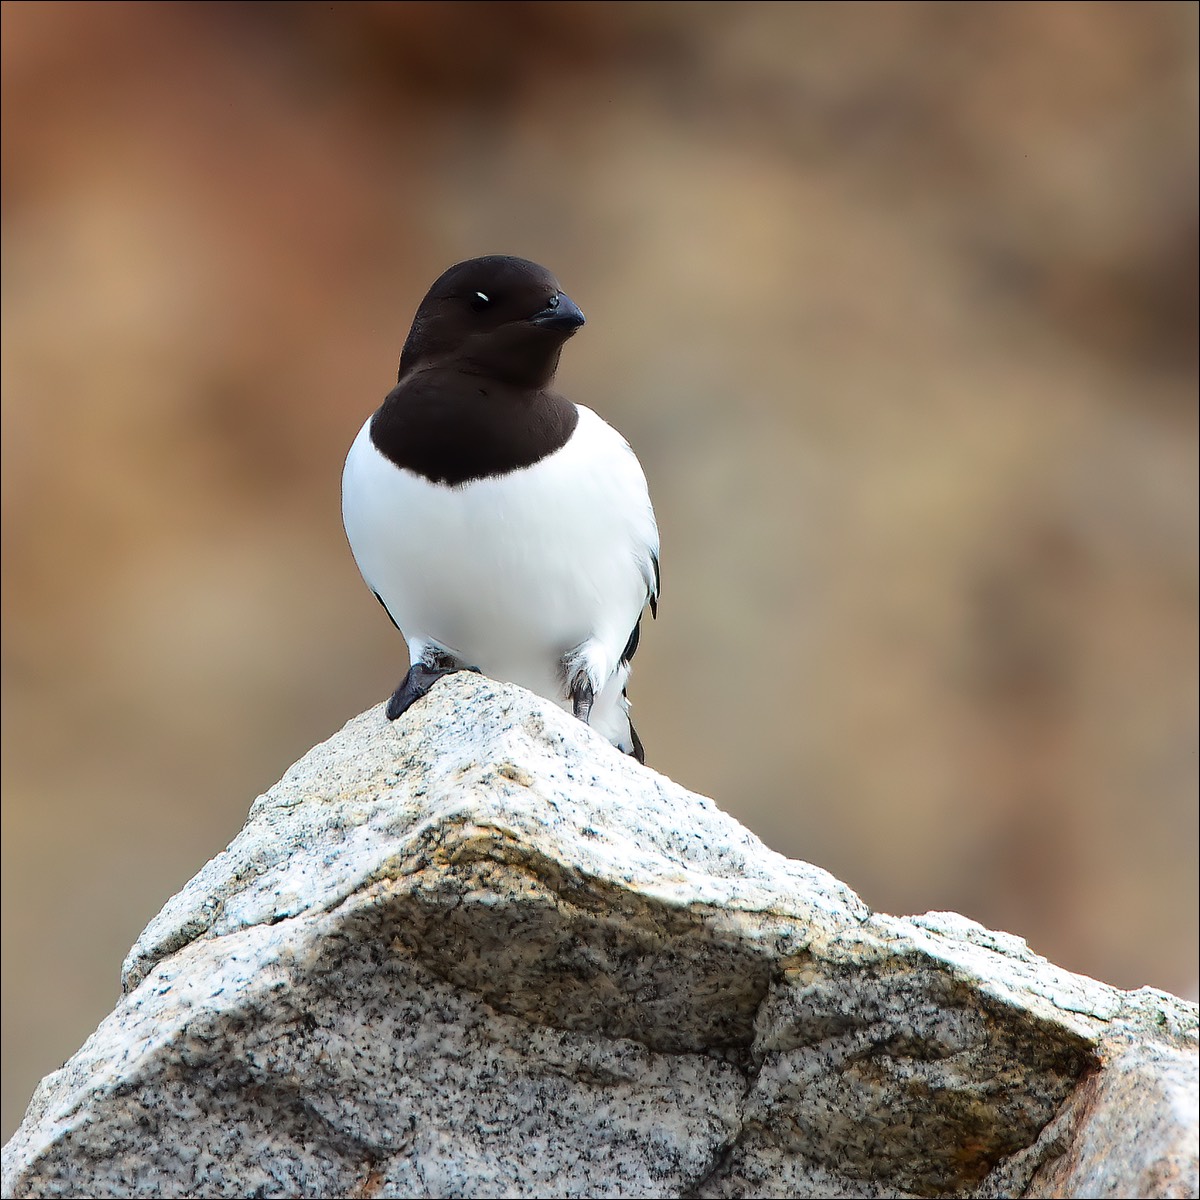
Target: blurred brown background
<point>896,303</point>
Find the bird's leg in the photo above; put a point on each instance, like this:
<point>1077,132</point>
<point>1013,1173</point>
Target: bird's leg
<point>422,675</point>
<point>581,697</point>
<point>578,681</point>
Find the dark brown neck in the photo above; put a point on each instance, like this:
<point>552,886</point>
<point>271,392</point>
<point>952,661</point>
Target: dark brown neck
<point>451,425</point>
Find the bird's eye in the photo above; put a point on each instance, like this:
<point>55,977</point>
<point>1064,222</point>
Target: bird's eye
<point>552,302</point>
<point>480,301</point>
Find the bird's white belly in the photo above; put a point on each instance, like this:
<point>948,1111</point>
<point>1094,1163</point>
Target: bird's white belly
<point>508,573</point>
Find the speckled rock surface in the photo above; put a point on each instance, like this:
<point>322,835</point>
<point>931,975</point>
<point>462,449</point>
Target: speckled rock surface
<point>480,953</point>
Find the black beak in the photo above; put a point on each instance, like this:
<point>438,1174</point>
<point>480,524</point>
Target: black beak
<point>561,314</point>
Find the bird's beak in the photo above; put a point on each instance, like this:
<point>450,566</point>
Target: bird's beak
<point>561,314</point>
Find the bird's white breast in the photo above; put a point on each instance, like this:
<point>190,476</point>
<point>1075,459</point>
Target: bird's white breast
<point>511,572</point>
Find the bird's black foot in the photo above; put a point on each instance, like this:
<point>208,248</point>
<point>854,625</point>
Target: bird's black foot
<point>420,678</point>
<point>582,697</point>
<point>415,684</point>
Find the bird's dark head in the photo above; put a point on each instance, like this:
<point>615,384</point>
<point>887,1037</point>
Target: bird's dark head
<point>502,317</point>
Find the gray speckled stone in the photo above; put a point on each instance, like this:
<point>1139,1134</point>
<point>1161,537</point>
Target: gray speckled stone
<point>480,953</point>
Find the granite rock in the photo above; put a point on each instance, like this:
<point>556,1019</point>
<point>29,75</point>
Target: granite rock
<point>481,953</point>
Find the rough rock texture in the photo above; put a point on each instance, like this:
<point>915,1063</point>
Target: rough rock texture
<point>480,953</point>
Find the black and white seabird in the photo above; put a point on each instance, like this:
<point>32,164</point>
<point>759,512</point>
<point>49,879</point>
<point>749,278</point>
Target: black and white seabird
<point>503,528</point>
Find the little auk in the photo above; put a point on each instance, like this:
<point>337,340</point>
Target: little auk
<point>503,528</point>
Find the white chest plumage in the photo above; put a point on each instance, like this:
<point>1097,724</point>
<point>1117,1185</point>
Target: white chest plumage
<point>512,573</point>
